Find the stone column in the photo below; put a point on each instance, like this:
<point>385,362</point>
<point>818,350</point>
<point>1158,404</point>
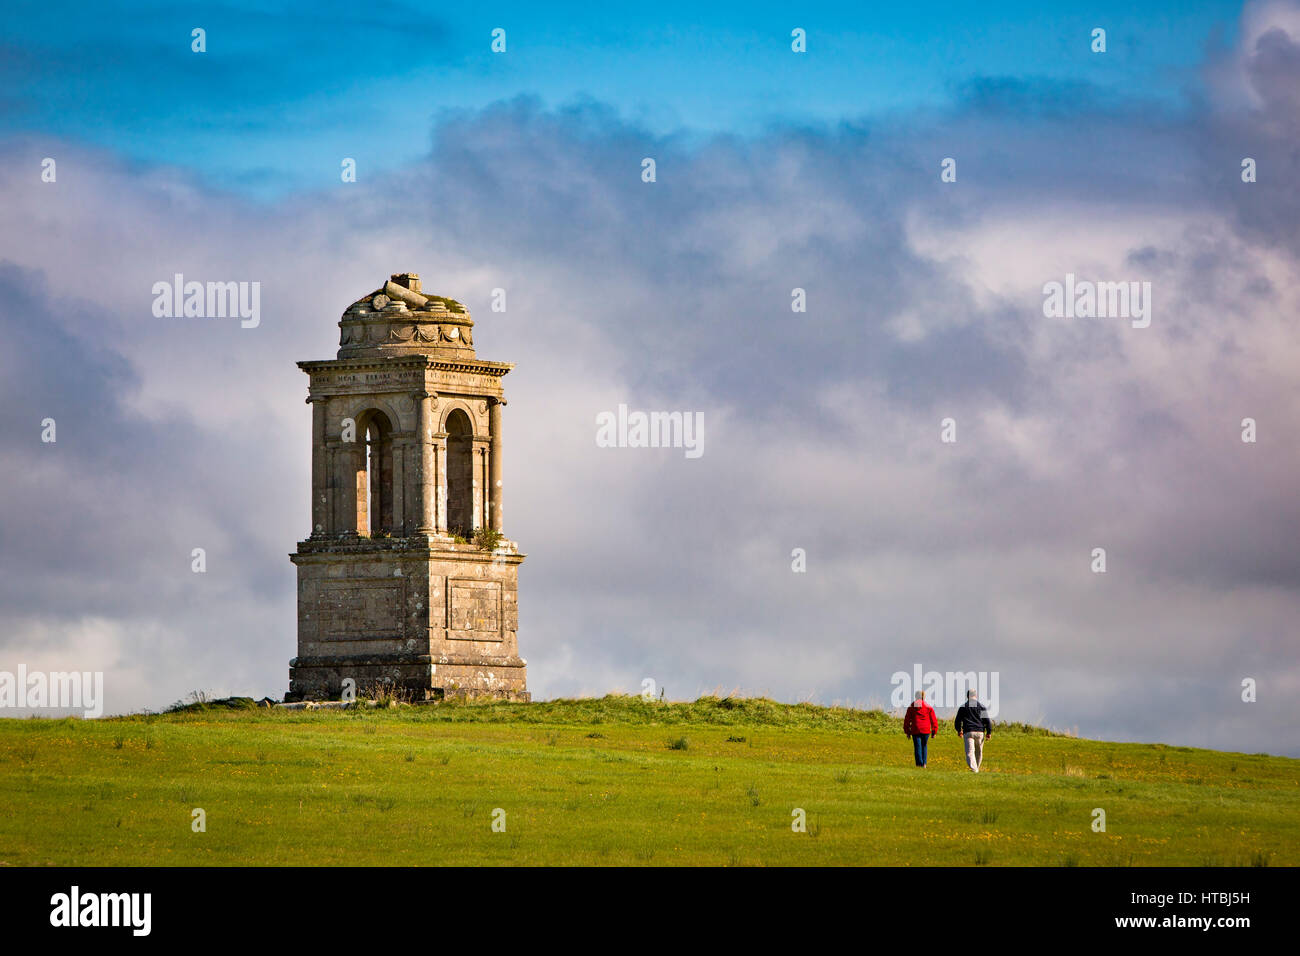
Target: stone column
<point>332,524</point>
<point>321,521</point>
<point>479,483</point>
<point>399,486</point>
<point>440,458</point>
<point>425,473</point>
<point>351,460</point>
<point>495,518</point>
<point>358,470</point>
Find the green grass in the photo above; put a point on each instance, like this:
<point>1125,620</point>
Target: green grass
<point>618,780</point>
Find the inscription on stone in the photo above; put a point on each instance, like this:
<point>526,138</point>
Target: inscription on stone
<point>370,378</point>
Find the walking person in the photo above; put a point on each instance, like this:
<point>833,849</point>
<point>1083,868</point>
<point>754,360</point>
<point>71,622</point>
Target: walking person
<point>973,724</point>
<point>920,723</point>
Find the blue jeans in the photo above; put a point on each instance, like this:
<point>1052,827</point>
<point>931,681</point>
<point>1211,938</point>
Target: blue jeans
<point>919,742</point>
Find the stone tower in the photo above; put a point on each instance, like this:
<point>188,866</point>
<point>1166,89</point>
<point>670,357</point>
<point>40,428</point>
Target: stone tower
<point>406,578</point>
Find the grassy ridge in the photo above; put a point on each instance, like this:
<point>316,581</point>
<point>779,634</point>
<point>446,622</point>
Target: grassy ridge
<point>621,708</point>
<point>618,780</point>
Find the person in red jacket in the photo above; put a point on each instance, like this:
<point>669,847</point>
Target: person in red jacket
<point>920,723</point>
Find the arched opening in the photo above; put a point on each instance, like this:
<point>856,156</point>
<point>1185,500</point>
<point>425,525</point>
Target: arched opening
<point>375,480</point>
<point>460,473</point>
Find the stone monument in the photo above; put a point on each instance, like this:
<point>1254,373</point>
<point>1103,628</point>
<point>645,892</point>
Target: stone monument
<point>407,580</point>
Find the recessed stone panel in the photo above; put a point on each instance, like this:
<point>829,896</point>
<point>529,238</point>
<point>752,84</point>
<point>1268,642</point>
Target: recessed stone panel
<point>474,610</point>
<point>359,608</point>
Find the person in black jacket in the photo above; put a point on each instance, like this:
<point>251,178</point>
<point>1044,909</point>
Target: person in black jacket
<point>973,724</point>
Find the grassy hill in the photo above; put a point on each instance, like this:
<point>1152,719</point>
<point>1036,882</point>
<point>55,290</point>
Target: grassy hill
<point>618,780</point>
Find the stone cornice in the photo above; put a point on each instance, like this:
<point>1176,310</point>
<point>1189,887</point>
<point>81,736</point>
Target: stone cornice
<point>356,546</point>
<point>496,369</point>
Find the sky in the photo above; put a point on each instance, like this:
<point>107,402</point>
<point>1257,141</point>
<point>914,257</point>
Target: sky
<point>775,171</point>
<point>281,93</point>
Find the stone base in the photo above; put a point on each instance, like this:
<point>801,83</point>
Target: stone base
<point>432,617</point>
<point>420,677</point>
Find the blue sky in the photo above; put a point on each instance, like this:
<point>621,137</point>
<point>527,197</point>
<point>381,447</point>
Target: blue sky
<point>285,91</point>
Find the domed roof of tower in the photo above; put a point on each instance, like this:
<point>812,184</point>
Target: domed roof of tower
<point>400,318</point>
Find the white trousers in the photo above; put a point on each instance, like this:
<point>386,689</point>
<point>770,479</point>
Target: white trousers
<point>974,749</point>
